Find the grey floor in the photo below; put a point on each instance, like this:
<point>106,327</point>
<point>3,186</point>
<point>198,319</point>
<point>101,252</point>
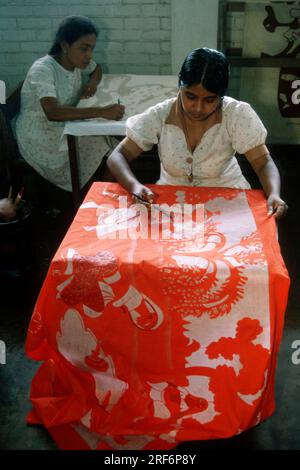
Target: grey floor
<point>18,295</point>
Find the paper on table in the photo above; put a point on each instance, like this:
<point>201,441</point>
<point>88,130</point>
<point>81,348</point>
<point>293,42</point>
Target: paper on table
<point>136,92</point>
<point>88,102</point>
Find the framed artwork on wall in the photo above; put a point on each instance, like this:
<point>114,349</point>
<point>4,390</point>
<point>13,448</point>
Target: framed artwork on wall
<point>269,57</point>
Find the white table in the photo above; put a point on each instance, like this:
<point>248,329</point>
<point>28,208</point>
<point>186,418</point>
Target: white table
<point>135,92</point>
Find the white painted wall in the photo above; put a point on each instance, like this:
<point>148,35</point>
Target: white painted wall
<point>194,24</point>
<point>134,35</point>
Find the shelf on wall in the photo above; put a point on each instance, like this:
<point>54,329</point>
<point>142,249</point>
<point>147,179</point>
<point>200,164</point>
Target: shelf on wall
<point>235,54</point>
<point>263,62</point>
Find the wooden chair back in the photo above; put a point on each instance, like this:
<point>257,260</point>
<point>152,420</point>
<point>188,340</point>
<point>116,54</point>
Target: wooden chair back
<point>10,162</point>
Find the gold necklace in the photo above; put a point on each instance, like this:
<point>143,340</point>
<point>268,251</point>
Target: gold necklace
<point>189,160</point>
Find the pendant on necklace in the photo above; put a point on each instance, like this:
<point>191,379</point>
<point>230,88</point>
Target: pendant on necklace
<point>190,177</point>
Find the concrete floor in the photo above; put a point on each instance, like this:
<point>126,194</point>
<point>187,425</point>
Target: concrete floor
<point>18,295</point>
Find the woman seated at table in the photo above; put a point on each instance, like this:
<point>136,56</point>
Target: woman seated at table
<point>198,133</point>
<point>50,92</point>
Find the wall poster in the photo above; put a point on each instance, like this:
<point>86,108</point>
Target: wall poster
<point>273,30</point>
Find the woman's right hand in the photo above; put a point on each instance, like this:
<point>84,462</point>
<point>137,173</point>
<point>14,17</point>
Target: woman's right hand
<point>142,192</point>
<point>112,112</point>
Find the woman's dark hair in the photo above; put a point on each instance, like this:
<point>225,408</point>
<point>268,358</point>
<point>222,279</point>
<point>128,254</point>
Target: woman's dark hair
<point>207,67</point>
<point>70,29</point>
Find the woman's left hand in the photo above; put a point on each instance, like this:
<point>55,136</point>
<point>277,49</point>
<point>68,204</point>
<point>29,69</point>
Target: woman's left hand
<point>276,206</point>
<point>89,90</point>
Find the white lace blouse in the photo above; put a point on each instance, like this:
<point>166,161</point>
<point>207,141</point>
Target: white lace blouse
<point>214,163</point>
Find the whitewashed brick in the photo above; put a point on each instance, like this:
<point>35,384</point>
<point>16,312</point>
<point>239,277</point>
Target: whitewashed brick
<point>110,47</point>
<point>87,2</point>
<point>22,57</point>
<point>155,10</point>
<point>12,84</point>
<point>34,23</point>
<point>15,11</point>
<point>29,2</point>
<point>165,46</point>
<point>55,22</point>
<point>166,70</point>
<point>126,11</point>
<point>91,11</point>
<point>108,2</point>
<point>8,23</point>
<point>125,35</point>
<point>165,23</point>
<point>139,1</point>
<point>37,46</point>
<point>20,35</point>
<point>128,59</point>
<point>112,68</point>
<point>110,23</point>
<point>103,35</point>
<point>9,69</point>
<point>147,47</point>
<point>158,35</point>
<point>51,11</point>
<point>134,35</point>
<point>159,59</point>
<point>45,35</point>
<point>142,23</point>
<point>142,69</point>
<point>10,47</point>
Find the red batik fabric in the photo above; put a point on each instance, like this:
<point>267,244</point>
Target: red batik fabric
<point>146,343</point>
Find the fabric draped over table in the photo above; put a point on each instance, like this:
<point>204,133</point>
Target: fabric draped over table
<point>147,343</point>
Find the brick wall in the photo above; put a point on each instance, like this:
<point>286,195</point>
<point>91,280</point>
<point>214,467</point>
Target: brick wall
<point>134,35</point>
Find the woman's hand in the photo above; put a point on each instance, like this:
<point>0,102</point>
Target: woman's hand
<point>7,209</point>
<point>89,89</point>
<point>139,191</point>
<point>276,206</point>
<point>113,112</point>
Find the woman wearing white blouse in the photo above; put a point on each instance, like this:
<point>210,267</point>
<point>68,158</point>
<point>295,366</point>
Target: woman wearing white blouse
<point>198,133</point>
<point>49,96</point>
